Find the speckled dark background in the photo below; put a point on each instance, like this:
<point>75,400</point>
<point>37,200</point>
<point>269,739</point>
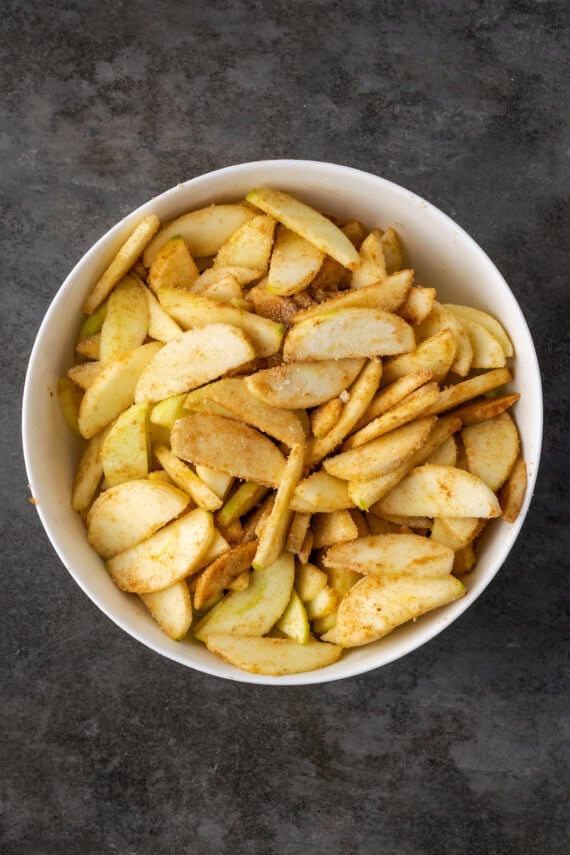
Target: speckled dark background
<point>462,746</point>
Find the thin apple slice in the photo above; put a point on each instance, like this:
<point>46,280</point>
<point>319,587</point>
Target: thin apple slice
<point>93,323</point>
<point>249,246</point>
<point>382,455</point>
<point>89,473</point>
<point>204,231</point>
<point>130,512</point>
<point>245,498</point>
<point>294,622</point>
<point>456,532</point>
<point>387,295</point>
<point>166,557</point>
<point>187,480</point>
<point>84,375</point>
<point>161,326</point>
<point>229,446</point>
<point>309,581</point>
<point>491,449</point>
<point>218,575</point>
<point>372,264</point>
<point>485,320</point>
<point>126,322</point>
<point>300,385</point>
<point>122,263</point>
<point>272,539</point>
<point>445,455</point>
<point>511,495</point>
<point>348,334</point>
<point>169,410</point>
<point>440,319</point>
<point>255,610</point>
<point>243,275</point>
<point>376,606</point>
<point>114,389</point>
<point>298,531</point>
<point>435,354</point>
<point>393,394</point>
<point>341,580</point>
<point>217,547</point>
<point>334,527</point>
<point>194,310</point>
<point>485,408</point>
<point>325,417</point>
<point>405,411</point>
<point>392,555</point>
<point>307,223</point>
<point>218,482</point>
<point>417,305</point>
<point>192,359</point>
<point>90,347</point>
<point>467,389</point>
<point>125,451</point>
<point>393,253</point>
<point>324,604</point>
<point>321,492</point>
<point>226,290</point>
<point>171,609</point>
<point>441,491</point>
<point>273,657</point>
<point>70,397</point>
<point>294,263</point>
<point>173,266</point>
<point>487,350</point>
<point>234,395</point>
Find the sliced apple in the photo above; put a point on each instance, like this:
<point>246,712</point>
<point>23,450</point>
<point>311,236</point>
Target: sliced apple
<point>243,275</point>
<point>467,389</point>
<point>393,253</point>
<point>218,575</point>
<point>166,412</point>
<point>372,264</point>
<point>84,375</point>
<point>512,492</point>
<point>294,622</point>
<point>485,408</point>
<point>90,347</point>
<point>255,610</point>
<point>440,319</point>
<point>229,446</point>
<point>485,320</point>
<point>334,527</point>
<point>491,449</point>
<point>194,310</point>
<point>321,493</point>
<point>348,333</point>
<point>124,454</point>
<point>204,231</point>
<point>171,609</point>
<point>89,473</point>
<point>445,455</point>
<point>325,416</point>
<point>192,359</point>
<point>173,266</point>
<point>456,532</point>
<point>441,491</point>
<point>249,246</point>
<point>387,295</point>
<point>341,579</point>
<point>435,354</point>
<point>392,555</point>
<point>294,263</point>
<point>272,539</point>
<point>187,480</point>
<point>309,581</point>
<point>226,290</point>
<point>218,482</point>
<point>300,385</point>
<point>375,606</point>
<point>166,557</point>
<point>93,323</point>
<point>70,397</point>
<point>273,657</point>
<point>160,325</point>
<point>306,222</point>
<point>114,389</point>
<point>487,350</point>
<point>405,411</point>
<point>324,604</point>
<point>297,531</point>
<point>245,498</point>
<point>393,394</point>
<point>417,305</point>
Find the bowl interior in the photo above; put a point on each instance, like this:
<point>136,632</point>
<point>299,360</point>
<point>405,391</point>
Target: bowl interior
<point>443,256</point>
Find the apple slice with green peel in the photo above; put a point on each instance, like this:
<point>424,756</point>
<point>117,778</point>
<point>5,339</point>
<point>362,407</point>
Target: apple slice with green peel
<point>392,555</point>
<point>114,389</point>
<point>300,385</point>
<point>125,452</point>
<point>487,350</point>
<point>166,557</point>
<point>83,375</point>
<point>122,263</point>
<point>341,580</point>
<point>382,455</point>
<point>245,498</point>
<point>491,449</point>
<point>204,231</point>
<point>70,397</point>
<point>348,333</point>
<point>294,263</point>
<point>387,295</point>
<point>452,396</point>
<point>440,319</point>
<point>435,354</point>
<point>222,571</point>
<point>192,359</point>
<point>249,246</point>
<point>93,323</point>
<point>321,493</point>
<point>173,266</point>
<point>405,411</point>
<point>229,446</point>
<point>417,305</point>
<point>441,491</point>
<point>125,515</point>
<point>187,480</point>
<point>376,606</point>
<point>485,320</point>
<point>194,310</point>
<point>171,609</point>
<point>322,625</point>
<point>243,275</point>
<point>273,657</point>
<point>372,264</point>
<point>294,621</point>
<point>166,412</point>
<point>234,395</point>
<point>274,535</point>
<point>89,473</point>
<point>160,325</point>
<point>90,347</point>
<point>306,222</point>
<point>255,610</point>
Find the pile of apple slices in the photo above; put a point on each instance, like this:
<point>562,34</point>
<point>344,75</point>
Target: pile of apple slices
<point>291,447</point>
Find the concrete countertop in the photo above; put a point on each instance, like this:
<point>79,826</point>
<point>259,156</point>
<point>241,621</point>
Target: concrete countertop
<point>462,746</point>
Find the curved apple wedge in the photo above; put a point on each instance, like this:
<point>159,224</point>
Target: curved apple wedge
<point>273,657</point>
<point>258,608</point>
<point>171,609</point>
<point>392,555</point>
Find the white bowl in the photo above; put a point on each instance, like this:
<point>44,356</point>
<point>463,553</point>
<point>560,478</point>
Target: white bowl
<point>443,256</point>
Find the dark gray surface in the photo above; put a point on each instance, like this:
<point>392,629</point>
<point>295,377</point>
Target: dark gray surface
<point>105,747</point>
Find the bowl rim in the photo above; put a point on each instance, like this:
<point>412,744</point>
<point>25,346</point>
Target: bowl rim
<point>456,608</point>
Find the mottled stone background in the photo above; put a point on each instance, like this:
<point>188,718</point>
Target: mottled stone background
<point>459,748</point>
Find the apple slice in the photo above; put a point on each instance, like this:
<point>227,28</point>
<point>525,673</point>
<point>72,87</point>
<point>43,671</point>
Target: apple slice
<point>294,263</point>
<point>405,411</point>
<point>90,347</point>
<point>130,512</point>
<point>393,254</point>
<point>392,555</point>
<point>166,557</point>
<point>485,408</point>
<point>122,263</point>
<point>417,305</point>
<point>89,473</point>
<point>440,319</point>
<point>300,385</point>
<point>491,449</point>
<point>125,451</point>
<point>226,290</point>
<point>309,581</point>
<point>243,275</point>
<point>341,580</point>
<point>375,606</point>
<point>204,231</point>
<point>84,375</point>
<point>456,532</point>
<point>445,455</point>
<point>324,604</point>
<point>435,354</point>
<point>218,482</point>
<point>171,609</point>
<point>487,350</point>
<point>485,320</point>
<point>255,610</point>
<point>274,657</point>
<point>382,455</point>
<point>222,571</point>
<point>441,491</point>
<point>348,333</point>
<point>126,322</point>
<point>192,359</point>
<point>187,480</point>
<point>70,397</point>
<point>194,310</point>
<point>166,412</point>
<point>229,446</point>
<point>325,417</point>
<point>513,491</point>
<point>321,493</point>
<point>249,246</point>
<point>307,223</point>
<point>298,531</point>
<point>294,621</point>
<point>393,394</point>
<point>173,266</point>
<point>334,527</point>
<point>272,539</point>
<point>160,325</point>
<point>387,295</point>
<point>245,498</point>
<point>467,389</point>
<point>372,264</point>
<point>114,389</point>
<point>93,323</point>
